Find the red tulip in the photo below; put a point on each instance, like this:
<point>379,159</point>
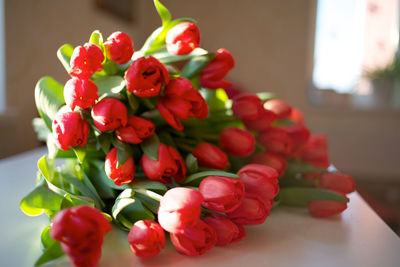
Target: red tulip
<point>296,115</point>
<point>241,234</point>
<point>169,164</point>
<point>251,211</point>
<point>86,60</point>
<point>119,47</point>
<point>81,93</point>
<point>221,193</point>
<point>237,142</point>
<point>209,155</point>
<point>213,74</point>
<point>315,152</point>
<point>281,108</point>
<point>226,230</point>
<point>109,114</point>
<point>247,106</point>
<point>183,38</point>
<point>146,238</point>
<point>179,208</point>
<point>181,101</point>
<point>146,76</point>
<point>136,130</point>
<point>272,160</point>
<point>70,130</point>
<point>325,208</point>
<point>262,122</point>
<point>276,140</point>
<point>122,175</point>
<point>337,182</point>
<point>80,230</point>
<point>260,179</point>
<point>195,240</point>
<point>299,134</point>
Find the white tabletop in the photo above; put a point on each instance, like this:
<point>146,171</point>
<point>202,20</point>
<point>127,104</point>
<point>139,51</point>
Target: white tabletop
<point>289,237</point>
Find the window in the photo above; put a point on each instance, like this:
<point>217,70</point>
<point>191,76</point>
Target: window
<point>356,43</point>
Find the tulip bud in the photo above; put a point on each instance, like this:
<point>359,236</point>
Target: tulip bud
<point>251,211</point>
<point>241,235</point>
<point>209,155</point>
<point>80,231</point>
<point>119,47</point>
<point>109,114</point>
<point>299,134</point>
<point>296,116</point>
<point>146,238</point>
<point>195,240</point>
<point>181,101</point>
<point>260,179</point>
<point>276,140</point>
<point>237,142</point>
<point>70,130</point>
<point>81,93</point>
<point>169,164</point>
<point>315,152</point>
<point>338,182</point>
<point>179,208</point>
<point>145,76</point>
<point>326,208</point>
<point>281,109</point>
<point>86,60</point>
<point>262,122</point>
<point>136,130</point>
<point>221,193</point>
<point>212,75</point>
<point>272,160</point>
<point>122,175</point>
<point>183,38</point>
<point>247,106</point>
<point>226,230</point>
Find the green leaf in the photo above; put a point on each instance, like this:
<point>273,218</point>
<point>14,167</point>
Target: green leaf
<point>198,175</point>
<point>97,38</point>
<point>145,183</point>
<point>295,167</point>
<point>39,200</point>
<point>265,96</point>
<point>104,141</point>
<point>109,86</point>
<point>53,252</point>
<point>49,97</point>
<point>300,196</point>
<point>166,58</point>
<point>41,129</point>
<point>150,146</point>
<point>121,204</point>
<point>124,152</point>
<point>64,54</point>
<point>196,64</point>
<point>163,12</point>
<point>133,103</point>
<point>80,153</point>
<point>45,238</point>
<point>191,163</point>
<point>216,99</point>
<point>148,202</point>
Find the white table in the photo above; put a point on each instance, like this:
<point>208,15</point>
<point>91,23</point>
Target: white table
<point>290,237</point>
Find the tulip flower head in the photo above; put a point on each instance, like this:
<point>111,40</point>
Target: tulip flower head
<point>86,60</point>
<point>183,38</point>
<point>122,175</point>
<point>119,47</point>
<point>146,238</point>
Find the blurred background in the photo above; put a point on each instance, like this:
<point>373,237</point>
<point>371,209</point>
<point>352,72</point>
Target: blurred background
<point>337,60</point>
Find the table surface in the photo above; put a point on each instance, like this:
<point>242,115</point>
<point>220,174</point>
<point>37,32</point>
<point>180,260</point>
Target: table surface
<point>289,237</point>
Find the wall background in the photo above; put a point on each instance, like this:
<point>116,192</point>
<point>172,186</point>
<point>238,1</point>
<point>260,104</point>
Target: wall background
<point>272,42</point>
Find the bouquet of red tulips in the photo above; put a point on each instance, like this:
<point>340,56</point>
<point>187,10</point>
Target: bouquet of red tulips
<point>151,142</point>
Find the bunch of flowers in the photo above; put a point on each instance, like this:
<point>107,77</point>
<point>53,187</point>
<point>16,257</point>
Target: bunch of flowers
<point>151,143</point>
